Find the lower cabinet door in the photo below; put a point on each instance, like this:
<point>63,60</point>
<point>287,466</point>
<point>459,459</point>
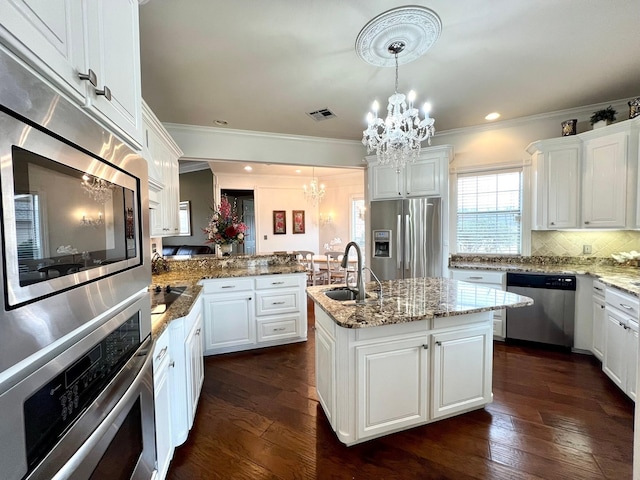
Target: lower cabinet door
<point>195,368</point>
<point>230,320</point>
<point>613,362</point>
<point>392,385</point>
<point>598,328</point>
<point>326,373</point>
<point>632,362</point>
<point>461,370</point>
<point>162,399</point>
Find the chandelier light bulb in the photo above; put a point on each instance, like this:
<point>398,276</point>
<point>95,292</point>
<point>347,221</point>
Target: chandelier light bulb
<point>411,96</point>
<point>375,107</point>
<point>426,108</point>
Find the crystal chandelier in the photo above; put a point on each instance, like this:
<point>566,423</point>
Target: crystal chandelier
<point>99,189</point>
<point>314,193</point>
<point>396,139</point>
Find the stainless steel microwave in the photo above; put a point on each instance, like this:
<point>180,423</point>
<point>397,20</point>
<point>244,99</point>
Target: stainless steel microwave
<point>73,218</point>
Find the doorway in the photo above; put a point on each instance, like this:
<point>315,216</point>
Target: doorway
<point>245,209</point>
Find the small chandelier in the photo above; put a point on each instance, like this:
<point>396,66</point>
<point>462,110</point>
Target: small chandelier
<point>396,139</point>
<point>99,189</point>
<point>314,193</point>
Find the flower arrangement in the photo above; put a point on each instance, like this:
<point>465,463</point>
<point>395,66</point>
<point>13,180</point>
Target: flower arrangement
<point>225,227</point>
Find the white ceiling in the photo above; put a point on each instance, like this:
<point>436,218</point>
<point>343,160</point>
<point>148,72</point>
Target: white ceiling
<point>261,65</point>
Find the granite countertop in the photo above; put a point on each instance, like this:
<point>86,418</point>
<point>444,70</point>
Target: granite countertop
<point>188,271</point>
<point>415,299</point>
<point>625,278</point>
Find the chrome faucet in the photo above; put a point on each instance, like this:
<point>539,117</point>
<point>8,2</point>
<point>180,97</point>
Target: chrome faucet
<point>360,293</point>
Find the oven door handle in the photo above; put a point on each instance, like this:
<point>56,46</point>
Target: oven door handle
<point>74,463</point>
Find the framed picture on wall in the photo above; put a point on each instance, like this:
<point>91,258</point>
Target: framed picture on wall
<point>279,222</point>
<point>298,221</point>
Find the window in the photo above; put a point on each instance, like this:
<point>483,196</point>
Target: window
<point>357,221</point>
<point>28,226</point>
<point>489,212</point>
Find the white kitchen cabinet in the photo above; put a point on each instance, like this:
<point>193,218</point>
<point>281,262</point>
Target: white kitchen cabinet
<point>392,385</point>
<point>162,388</point>
<point>194,364</point>
<point>490,279</point>
<point>427,176</point>
<point>599,319</point>
<point>63,39</point>
<point>621,346</point>
<point>604,184</point>
<point>325,364</point>
<point>253,312</point>
<point>461,370</point>
<point>588,180</point>
<point>375,381</point>
<point>229,321</point>
<point>161,153</point>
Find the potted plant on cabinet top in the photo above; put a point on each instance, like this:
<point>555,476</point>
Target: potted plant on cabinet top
<point>603,117</point>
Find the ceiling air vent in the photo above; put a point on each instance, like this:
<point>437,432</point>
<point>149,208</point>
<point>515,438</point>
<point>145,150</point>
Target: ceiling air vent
<point>322,114</point>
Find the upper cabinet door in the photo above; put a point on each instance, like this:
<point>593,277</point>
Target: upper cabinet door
<point>385,182</point>
<point>113,45</point>
<point>563,170</point>
<point>604,192</point>
<point>48,34</point>
<point>423,177</point>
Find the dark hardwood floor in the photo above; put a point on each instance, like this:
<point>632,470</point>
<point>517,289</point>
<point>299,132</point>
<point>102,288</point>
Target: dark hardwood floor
<point>554,416</point>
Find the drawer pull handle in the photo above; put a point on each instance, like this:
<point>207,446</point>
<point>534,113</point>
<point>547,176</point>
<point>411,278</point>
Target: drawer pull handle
<point>626,307</point>
<point>277,303</point>
<point>162,353</point>
<point>279,329</point>
<point>475,278</point>
<point>106,91</point>
<point>228,286</point>
<point>197,332</point>
<point>598,288</point>
<point>277,283</point>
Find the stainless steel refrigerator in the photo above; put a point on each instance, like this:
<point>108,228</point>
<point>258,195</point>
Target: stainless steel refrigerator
<point>406,238</point>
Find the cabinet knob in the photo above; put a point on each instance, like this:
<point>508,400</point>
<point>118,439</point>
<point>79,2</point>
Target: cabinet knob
<point>586,222</point>
<point>425,346</point>
<point>105,91</point>
<point>90,76</point>
<point>172,363</point>
<point>198,332</point>
<point>552,223</point>
<point>438,343</point>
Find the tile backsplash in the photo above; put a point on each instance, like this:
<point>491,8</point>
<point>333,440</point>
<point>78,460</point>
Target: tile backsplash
<point>566,243</point>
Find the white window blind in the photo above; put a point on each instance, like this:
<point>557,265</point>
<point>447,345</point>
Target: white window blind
<point>489,212</point>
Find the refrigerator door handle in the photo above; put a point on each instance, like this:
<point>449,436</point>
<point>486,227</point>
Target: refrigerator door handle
<point>398,242</point>
<point>407,242</point>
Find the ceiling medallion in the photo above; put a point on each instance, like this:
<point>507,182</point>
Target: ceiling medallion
<point>417,27</point>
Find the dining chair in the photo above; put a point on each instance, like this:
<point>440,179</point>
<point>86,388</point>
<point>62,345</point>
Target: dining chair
<point>315,276</point>
<point>335,272</point>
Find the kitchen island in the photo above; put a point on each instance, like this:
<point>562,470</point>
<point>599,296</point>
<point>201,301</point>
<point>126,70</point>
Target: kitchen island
<point>420,353</point>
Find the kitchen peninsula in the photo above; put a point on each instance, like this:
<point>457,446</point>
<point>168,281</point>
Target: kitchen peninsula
<point>420,353</point>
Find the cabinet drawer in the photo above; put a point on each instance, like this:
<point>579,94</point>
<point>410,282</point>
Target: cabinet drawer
<point>278,328</point>
<point>227,285</point>
<point>277,281</point>
<point>277,302</point>
<point>478,276</point>
<point>161,350</point>
<point>623,302</point>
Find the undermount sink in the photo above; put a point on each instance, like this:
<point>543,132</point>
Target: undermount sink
<point>341,294</point>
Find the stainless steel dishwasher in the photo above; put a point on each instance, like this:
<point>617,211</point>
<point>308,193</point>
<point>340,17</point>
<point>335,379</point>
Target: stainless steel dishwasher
<point>550,320</point>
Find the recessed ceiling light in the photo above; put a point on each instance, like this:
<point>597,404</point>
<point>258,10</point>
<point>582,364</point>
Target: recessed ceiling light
<point>492,116</point>
<point>221,123</point>
<point>298,171</point>
<point>248,168</point>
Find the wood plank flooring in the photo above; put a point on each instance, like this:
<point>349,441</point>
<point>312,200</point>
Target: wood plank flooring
<point>555,415</point>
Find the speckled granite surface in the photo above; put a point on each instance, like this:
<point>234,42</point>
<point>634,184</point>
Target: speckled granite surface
<point>415,299</point>
<point>186,270</point>
<point>626,278</point>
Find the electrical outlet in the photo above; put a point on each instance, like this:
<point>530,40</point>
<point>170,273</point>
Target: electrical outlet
<point>586,249</point>
<point>265,237</point>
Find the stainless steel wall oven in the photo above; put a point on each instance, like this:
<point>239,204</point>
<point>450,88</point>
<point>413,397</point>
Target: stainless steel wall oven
<point>87,413</point>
